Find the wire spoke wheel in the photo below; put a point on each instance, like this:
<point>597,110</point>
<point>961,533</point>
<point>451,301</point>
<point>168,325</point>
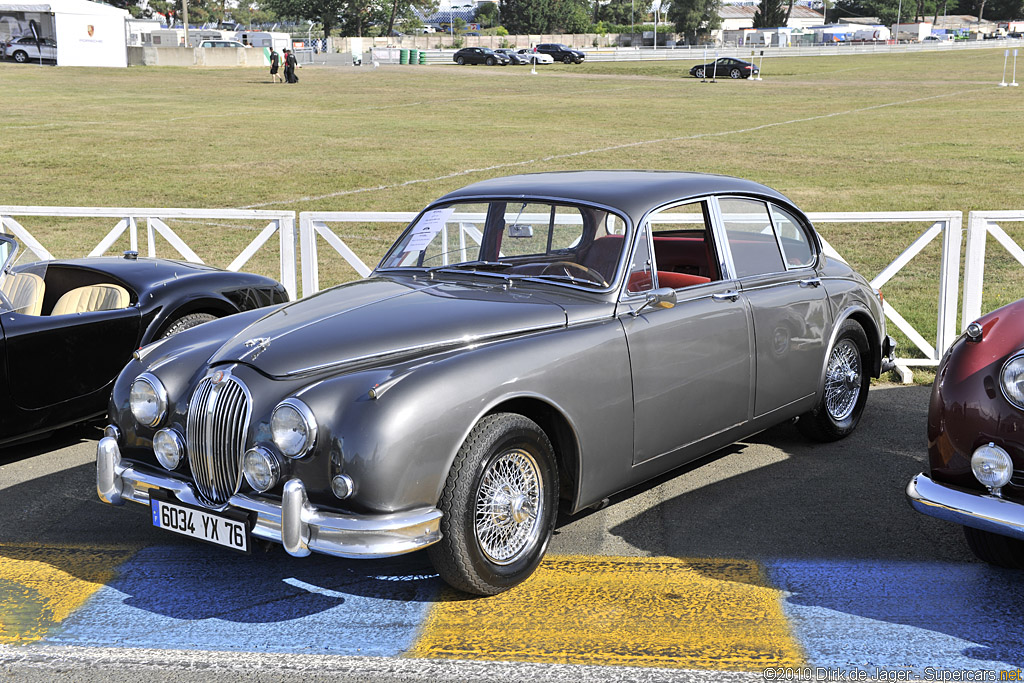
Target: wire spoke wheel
<point>843,380</point>
<point>509,505</point>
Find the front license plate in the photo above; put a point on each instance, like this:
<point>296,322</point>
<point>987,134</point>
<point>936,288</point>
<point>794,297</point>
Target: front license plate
<point>230,530</point>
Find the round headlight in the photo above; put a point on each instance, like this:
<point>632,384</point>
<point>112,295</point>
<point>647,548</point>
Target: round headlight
<point>1012,380</point>
<point>168,447</point>
<point>261,469</point>
<point>991,466</point>
<point>293,427</point>
<point>148,400</point>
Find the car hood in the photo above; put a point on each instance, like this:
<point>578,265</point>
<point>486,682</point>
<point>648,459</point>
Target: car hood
<point>383,320</point>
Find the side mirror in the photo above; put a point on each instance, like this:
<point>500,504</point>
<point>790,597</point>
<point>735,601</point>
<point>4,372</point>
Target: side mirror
<point>663,297</point>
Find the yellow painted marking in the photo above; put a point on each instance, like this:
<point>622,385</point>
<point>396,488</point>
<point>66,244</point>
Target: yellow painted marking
<point>41,585</point>
<point>664,612</point>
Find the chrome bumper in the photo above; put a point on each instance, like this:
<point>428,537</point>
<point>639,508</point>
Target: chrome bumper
<point>295,523</point>
<point>969,508</point>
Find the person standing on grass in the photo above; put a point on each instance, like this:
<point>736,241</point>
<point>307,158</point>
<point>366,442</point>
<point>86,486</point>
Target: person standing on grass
<point>275,62</point>
<point>289,67</point>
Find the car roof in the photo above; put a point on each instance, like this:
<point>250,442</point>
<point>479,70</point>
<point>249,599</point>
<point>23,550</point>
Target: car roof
<point>632,192</point>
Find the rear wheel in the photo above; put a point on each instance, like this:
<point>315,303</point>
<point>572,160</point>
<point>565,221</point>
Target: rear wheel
<point>1001,551</point>
<point>846,387</point>
<point>187,322</point>
<point>499,506</point>
<point>21,56</point>
<point>735,73</point>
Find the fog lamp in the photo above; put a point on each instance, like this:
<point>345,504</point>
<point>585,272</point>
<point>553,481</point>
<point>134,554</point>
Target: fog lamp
<point>148,400</point>
<point>169,448</point>
<point>260,469</point>
<point>342,486</point>
<point>992,466</point>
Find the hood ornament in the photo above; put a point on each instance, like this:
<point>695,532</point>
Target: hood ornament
<point>258,346</point>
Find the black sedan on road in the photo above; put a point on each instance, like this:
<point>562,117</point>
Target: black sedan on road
<point>726,66</point>
<point>479,55</point>
<point>562,53</point>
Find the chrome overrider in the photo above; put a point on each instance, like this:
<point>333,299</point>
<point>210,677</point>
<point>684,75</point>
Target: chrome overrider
<point>295,523</point>
<point>968,508</point>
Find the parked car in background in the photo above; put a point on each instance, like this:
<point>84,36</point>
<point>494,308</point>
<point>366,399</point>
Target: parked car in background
<point>536,57</point>
<point>513,56</point>
<point>976,438</point>
<point>479,55</point>
<point>27,49</point>
<point>68,327</point>
<point>221,43</point>
<point>725,66</point>
<point>562,53</point>
<point>529,341</point>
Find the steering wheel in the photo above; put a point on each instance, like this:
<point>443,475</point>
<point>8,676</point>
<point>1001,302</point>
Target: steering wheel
<point>588,274</point>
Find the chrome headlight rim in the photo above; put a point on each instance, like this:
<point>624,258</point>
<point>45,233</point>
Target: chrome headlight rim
<point>309,421</point>
<point>272,466</point>
<point>159,391</point>
<point>179,449</point>
<point>1004,386</point>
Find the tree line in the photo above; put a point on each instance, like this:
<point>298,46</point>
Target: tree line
<point>690,18</point>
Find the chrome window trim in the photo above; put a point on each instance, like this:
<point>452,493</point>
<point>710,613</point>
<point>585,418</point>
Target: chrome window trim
<point>775,233</point>
<point>306,413</point>
<point>811,243</point>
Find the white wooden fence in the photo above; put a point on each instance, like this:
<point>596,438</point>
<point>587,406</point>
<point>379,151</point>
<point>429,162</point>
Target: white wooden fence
<point>280,222</point>
<point>947,224</point>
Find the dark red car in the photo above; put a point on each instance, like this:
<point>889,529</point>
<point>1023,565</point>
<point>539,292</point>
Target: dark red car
<point>976,438</point>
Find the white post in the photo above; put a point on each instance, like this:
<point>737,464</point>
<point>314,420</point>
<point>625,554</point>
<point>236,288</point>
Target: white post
<point>1006,56</point>
<point>1014,82</point>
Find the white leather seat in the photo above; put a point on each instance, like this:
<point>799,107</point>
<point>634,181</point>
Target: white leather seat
<point>92,298</point>
<point>25,292</point>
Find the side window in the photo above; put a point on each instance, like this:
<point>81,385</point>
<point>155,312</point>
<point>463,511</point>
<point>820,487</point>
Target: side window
<point>684,253</point>
<point>641,269</point>
<point>795,244</point>
<point>748,227</point>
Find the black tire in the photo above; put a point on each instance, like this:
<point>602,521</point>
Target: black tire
<point>847,377</point>
<point>461,61</point>
<point>187,322</point>
<point>501,443</point>
<point>21,56</point>
<point>699,73</point>
<point>567,59</point>
<point>1001,551</point>
<point>735,73</point>
<point>490,61</point>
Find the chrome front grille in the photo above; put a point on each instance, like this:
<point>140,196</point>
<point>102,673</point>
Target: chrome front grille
<point>218,416</point>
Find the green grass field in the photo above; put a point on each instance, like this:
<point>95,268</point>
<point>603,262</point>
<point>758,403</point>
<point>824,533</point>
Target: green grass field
<point>929,131</point>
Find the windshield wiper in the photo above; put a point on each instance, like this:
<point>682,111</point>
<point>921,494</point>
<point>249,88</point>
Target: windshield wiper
<point>471,265</point>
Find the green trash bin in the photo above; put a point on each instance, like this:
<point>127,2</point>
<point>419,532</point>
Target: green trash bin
<point>403,56</point>
<point>414,56</point>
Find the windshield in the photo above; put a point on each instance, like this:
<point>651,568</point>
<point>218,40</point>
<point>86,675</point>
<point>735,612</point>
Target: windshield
<point>561,243</point>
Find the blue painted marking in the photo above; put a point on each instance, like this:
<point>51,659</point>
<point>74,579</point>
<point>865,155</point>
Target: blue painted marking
<point>904,616</point>
<point>207,598</point>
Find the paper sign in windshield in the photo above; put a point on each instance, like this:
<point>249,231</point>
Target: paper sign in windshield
<point>429,225</point>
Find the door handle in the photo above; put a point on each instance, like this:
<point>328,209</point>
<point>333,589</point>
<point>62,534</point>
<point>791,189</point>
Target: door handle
<point>811,282</point>
<point>728,295</point>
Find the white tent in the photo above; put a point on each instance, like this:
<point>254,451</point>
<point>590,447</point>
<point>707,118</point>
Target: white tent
<point>87,33</point>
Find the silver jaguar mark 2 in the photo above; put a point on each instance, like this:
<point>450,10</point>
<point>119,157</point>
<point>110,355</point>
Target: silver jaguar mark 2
<point>529,342</point>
